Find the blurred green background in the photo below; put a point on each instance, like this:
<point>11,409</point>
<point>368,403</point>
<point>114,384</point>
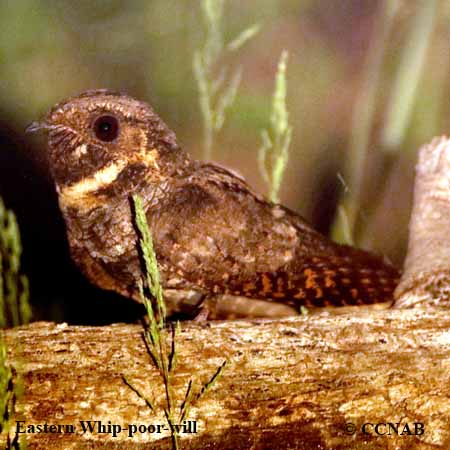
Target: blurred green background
<point>368,83</point>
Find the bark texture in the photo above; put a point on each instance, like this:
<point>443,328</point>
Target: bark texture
<point>298,383</point>
<point>426,279</point>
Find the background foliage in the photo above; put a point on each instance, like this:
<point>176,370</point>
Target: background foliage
<point>367,85</point>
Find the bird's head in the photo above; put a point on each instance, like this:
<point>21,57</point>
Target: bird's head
<point>101,136</point>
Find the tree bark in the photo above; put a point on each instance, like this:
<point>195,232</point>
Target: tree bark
<point>426,279</point>
<point>298,383</point>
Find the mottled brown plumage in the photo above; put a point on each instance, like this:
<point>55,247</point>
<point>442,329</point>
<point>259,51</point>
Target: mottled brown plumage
<point>216,240</point>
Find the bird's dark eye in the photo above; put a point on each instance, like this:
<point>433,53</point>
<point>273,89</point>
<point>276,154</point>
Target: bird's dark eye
<point>106,128</point>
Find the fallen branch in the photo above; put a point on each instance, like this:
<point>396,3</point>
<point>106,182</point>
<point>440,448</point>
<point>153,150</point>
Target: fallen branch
<point>292,383</point>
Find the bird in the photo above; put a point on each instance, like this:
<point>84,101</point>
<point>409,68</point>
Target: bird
<point>224,251</point>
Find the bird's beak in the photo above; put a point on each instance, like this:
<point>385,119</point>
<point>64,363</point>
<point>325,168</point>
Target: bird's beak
<point>37,126</point>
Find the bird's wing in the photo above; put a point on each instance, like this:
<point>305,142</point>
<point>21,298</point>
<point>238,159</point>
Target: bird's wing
<point>215,233</point>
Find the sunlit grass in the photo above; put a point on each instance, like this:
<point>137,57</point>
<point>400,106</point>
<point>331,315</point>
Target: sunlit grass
<point>217,86</point>
<point>14,292</point>
<point>409,72</point>
<point>397,118</point>
<point>343,229</point>
<point>274,152</point>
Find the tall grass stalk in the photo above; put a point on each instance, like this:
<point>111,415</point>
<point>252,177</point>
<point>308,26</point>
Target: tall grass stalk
<point>274,152</point>
<point>160,342</point>
<point>408,75</point>
<point>403,100</point>
<point>14,291</point>
<point>362,123</point>
<point>217,86</point>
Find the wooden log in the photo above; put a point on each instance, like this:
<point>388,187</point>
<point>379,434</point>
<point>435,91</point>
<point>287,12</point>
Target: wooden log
<point>301,382</point>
